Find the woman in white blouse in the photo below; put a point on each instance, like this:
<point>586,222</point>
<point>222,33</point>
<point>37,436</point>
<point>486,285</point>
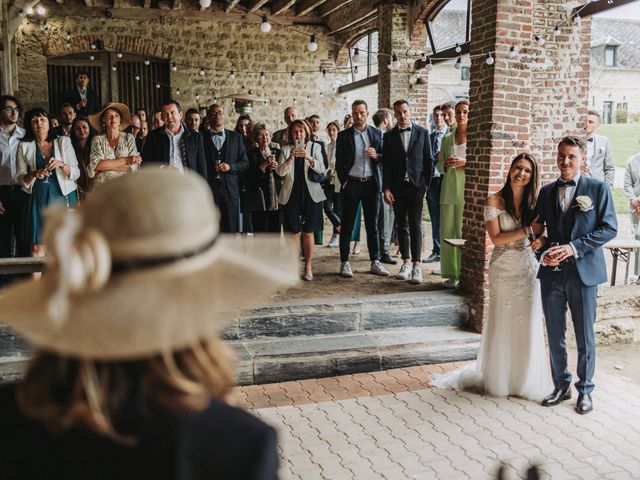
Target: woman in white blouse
<point>113,152</point>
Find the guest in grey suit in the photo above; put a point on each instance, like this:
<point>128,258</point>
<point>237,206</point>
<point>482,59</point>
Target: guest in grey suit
<point>599,155</point>
<point>632,192</point>
<point>580,217</point>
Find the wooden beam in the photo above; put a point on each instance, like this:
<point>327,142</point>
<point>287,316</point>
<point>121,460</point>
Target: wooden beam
<point>281,6</point>
<point>306,6</point>
<point>331,6</point>
<point>232,5</point>
<point>177,4</point>
<point>365,82</point>
<point>255,5</point>
<point>358,17</point>
<point>75,10</point>
<point>597,7</point>
<point>60,1</point>
<point>89,3</point>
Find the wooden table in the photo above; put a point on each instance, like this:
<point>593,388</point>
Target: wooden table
<point>455,242</point>
<point>22,265</point>
<point>621,249</point>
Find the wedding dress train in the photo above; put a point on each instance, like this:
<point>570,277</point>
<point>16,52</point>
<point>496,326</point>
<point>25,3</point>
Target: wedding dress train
<point>512,358</point>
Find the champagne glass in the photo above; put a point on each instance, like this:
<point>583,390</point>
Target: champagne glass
<point>557,267</point>
<point>218,162</point>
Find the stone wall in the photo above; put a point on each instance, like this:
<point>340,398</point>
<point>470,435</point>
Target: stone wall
<point>525,103</point>
<point>217,47</point>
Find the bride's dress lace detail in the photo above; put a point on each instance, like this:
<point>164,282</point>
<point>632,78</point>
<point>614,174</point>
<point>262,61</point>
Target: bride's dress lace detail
<point>512,359</point>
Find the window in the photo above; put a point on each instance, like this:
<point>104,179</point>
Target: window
<point>367,65</point>
<point>449,24</point>
<point>465,74</point>
<point>610,59</point>
<point>607,112</point>
<point>118,86</point>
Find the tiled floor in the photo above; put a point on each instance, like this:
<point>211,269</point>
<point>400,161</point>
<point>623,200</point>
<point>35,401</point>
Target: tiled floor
<point>391,425</point>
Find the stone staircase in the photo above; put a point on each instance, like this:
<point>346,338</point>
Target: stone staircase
<point>329,336</point>
<point>325,337</point>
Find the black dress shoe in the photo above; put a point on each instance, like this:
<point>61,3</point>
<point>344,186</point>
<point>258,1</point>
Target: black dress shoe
<point>556,397</point>
<point>584,403</point>
<point>386,258</point>
<point>434,257</point>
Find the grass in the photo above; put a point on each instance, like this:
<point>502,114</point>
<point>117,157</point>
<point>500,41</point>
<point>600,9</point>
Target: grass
<point>620,201</point>
<point>625,141</point>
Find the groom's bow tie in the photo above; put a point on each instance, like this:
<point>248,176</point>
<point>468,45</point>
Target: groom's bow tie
<point>570,183</point>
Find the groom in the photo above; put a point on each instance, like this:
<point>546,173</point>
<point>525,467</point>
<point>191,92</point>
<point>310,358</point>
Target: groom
<point>579,214</point>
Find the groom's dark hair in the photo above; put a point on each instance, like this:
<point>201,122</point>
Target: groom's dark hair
<point>574,142</point>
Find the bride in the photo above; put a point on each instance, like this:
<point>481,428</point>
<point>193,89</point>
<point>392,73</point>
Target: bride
<point>512,359</point>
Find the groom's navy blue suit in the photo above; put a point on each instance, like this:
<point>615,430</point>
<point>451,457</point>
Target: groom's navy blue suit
<point>577,282</point>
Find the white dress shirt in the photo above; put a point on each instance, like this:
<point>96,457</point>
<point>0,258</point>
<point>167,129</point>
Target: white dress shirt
<point>566,195</point>
<point>175,153</point>
<point>8,147</point>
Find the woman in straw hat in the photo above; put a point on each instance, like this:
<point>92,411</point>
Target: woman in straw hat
<point>127,378</point>
<point>113,152</point>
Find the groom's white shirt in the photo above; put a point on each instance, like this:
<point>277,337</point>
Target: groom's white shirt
<point>566,195</point>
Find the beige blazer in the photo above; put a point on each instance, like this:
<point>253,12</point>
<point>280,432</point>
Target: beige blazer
<point>62,150</point>
<point>287,171</point>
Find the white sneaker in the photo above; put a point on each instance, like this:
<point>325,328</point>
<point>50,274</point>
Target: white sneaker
<point>450,283</point>
<point>416,276</point>
<point>405,272</point>
<point>333,243</point>
<point>345,270</point>
<point>378,269</point>
<point>436,271</point>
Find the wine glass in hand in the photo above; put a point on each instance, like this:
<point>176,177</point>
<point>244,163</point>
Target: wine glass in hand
<point>552,256</point>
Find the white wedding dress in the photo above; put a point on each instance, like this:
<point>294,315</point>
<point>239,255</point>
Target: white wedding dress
<point>512,358</point>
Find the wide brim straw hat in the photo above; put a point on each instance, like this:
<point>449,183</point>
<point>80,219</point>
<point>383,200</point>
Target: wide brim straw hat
<point>140,269</point>
<point>125,116</point>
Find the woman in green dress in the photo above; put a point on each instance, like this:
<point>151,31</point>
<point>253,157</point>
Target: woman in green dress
<point>451,165</point>
<point>47,169</point>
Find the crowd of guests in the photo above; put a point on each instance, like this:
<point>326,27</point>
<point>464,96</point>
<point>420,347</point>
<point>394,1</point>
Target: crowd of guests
<point>264,180</point>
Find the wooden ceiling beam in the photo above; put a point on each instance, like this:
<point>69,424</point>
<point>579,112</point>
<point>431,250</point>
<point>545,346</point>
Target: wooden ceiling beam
<point>255,5</point>
<point>305,6</point>
<point>232,5</point>
<point>176,5</point>
<point>281,6</point>
<point>358,17</point>
<point>591,8</point>
<point>331,6</point>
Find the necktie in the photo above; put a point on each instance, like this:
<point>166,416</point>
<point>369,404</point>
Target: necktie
<point>570,183</point>
<point>408,129</point>
<point>217,134</point>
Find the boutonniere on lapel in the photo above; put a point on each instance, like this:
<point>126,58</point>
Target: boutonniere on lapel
<point>583,202</point>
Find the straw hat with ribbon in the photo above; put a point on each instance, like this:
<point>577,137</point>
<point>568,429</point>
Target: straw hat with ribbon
<point>125,116</point>
<point>140,268</point>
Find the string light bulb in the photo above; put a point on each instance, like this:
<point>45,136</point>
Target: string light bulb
<point>67,36</point>
<point>262,77</point>
<point>539,40</point>
<point>265,26</point>
<point>157,85</point>
<point>458,48</point>
<point>423,58</point>
<point>355,69</point>
<point>29,10</point>
<point>114,68</point>
<point>458,64</point>
<point>201,72</point>
<point>68,45</point>
<point>395,63</point>
<point>92,57</point>
<point>177,91</point>
<point>40,10</point>
<point>147,62</point>
<point>413,79</point>
<point>93,46</point>
<point>232,75</point>
<point>119,54</point>
<point>355,58</point>
<point>197,96</point>
<point>293,75</point>
<point>137,77</point>
<point>556,31</point>
<point>490,60</point>
<point>204,4</point>
<point>512,51</point>
<point>313,43</point>
<point>174,67</point>
<point>429,66</point>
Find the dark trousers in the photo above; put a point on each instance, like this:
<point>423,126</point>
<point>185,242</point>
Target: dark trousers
<point>329,207</point>
<point>11,244</point>
<point>354,193</point>
<point>267,222</point>
<point>433,204</point>
<point>408,212</point>
<point>558,290</point>
<point>229,205</point>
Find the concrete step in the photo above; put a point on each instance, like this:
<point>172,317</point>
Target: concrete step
<point>330,316</point>
<point>295,358</point>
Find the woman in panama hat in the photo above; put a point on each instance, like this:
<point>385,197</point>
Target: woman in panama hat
<point>128,377</point>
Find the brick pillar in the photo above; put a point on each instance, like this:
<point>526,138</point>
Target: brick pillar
<point>526,103</point>
<point>394,37</point>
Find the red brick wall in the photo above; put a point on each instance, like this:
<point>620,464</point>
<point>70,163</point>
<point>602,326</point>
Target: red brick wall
<point>526,103</point>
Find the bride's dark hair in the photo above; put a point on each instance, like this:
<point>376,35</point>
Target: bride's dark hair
<point>530,191</point>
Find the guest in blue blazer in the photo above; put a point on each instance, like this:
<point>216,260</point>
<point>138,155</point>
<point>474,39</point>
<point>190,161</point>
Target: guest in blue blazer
<point>84,100</point>
<point>579,214</point>
<point>358,158</point>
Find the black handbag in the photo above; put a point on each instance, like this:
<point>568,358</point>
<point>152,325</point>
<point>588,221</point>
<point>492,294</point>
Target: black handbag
<point>313,175</point>
<point>252,199</point>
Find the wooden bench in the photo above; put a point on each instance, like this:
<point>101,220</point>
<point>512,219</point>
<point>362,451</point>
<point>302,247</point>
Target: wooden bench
<point>621,249</point>
<point>10,266</point>
<point>455,242</point>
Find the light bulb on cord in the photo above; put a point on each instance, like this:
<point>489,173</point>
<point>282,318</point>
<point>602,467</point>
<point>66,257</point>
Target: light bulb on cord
<point>119,54</point>
<point>174,67</point>
<point>147,62</point>
<point>355,69</point>
<point>29,10</point>
<point>204,4</point>
<point>539,40</point>
<point>265,26</point>
<point>395,63</point>
<point>201,72</point>
<point>232,75</point>
<point>423,58</point>
<point>293,75</point>
<point>413,79</point>
<point>556,31</point>
<point>313,43</point>
<point>40,10</point>
<point>137,77</point>
<point>68,45</point>
<point>177,91</point>
<point>157,85</point>
<point>458,48</point>
<point>92,57</point>
<point>114,68</point>
<point>93,46</point>
<point>67,36</point>
<point>490,60</point>
<point>512,51</point>
<point>355,58</point>
<point>197,96</point>
<point>262,77</point>
<point>577,20</point>
<point>429,66</point>
<point>458,63</point>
